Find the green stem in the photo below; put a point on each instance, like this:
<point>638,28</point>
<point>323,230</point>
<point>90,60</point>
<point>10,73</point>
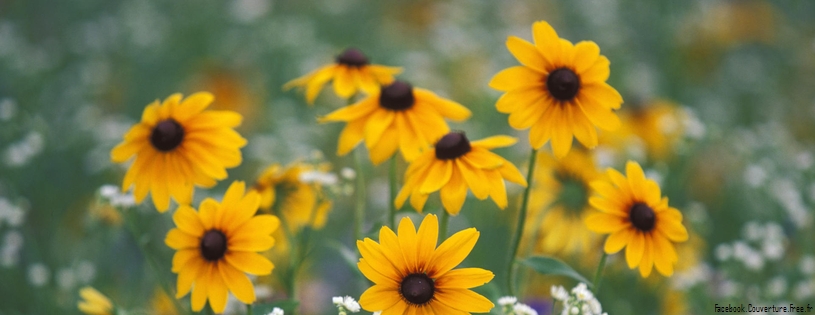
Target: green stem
<point>248,309</point>
<point>359,211</point>
<point>598,275</point>
<point>392,184</point>
<point>445,218</point>
<point>154,267</point>
<point>516,240</point>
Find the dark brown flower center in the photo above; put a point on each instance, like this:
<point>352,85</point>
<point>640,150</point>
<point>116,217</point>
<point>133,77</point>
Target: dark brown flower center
<point>563,84</point>
<point>642,217</point>
<point>417,288</point>
<point>397,96</point>
<point>352,57</point>
<point>452,145</point>
<point>167,135</point>
<point>213,245</point>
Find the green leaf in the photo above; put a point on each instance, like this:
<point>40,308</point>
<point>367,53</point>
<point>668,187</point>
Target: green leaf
<point>552,266</point>
<point>288,306</point>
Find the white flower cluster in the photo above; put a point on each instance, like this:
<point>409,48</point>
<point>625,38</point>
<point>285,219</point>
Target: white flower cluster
<point>579,302</point>
<point>510,306</point>
<point>113,195</point>
<point>769,242</point>
<point>276,311</point>
<point>345,304</point>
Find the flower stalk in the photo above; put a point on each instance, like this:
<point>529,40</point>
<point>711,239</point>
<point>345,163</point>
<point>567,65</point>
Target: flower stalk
<point>516,240</point>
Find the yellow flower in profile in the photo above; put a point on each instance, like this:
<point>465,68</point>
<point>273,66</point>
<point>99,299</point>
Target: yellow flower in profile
<point>300,202</point>
<point>351,73</point>
<point>217,246</point>
<point>560,197</point>
<point>637,219</point>
<point>178,145</point>
<point>413,276</point>
<point>397,117</point>
<point>560,91</point>
<point>456,164</point>
<point>656,125</point>
<point>94,303</point>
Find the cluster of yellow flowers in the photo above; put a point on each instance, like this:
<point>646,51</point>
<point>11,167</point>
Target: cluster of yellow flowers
<point>559,92</point>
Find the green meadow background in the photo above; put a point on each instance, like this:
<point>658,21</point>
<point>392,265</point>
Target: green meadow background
<point>75,75</point>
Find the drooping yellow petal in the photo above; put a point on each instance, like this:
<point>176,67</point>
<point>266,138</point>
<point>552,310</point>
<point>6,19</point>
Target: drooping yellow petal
<point>438,175</point>
<point>217,291</point>
<point>351,136</point>
<point>249,262</point>
<point>494,142</point>
<point>452,252</point>
<point>454,193</point>
<point>177,239</point>
<point>238,283</point>
<point>634,250</point>
<point>617,240</point>
<point>465,300</point>
<point>474,178</point>
<point>606,223</point>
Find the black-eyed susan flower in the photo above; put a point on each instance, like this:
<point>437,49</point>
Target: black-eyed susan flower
<point>398,116</point>
<point>413,276</point>
<point>654,127</point>
<point>456,164</point>
<point>559,91</point>
<point>94,303</point>
<point>351,73</point>
<point>217,246</point>
<point>299,201</point>
<point>560,196</point>
<point>637,218</point>
<point>178,145</point>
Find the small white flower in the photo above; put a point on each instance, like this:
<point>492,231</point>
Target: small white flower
<point>559,293</point>
<point>595,306</point>
<point>318,177</point>
<point>348,173</point>
<point>507,300</point>
<point>337,300</point>
<point>350,304</point>
<point>807,265</point>
<point>108,191</point>
<point>574,310</point>
<point>723,252</point>
<point>38,274</point>
<point>523,309</point>
<point>277,311</point>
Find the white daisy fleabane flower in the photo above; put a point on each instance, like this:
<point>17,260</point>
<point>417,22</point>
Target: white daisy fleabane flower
<point>523,309</point>
<point>580,301</point>
<point>277,311</point>
<point>559,293</point>
<point>346,303</point>
<point>507,300</point>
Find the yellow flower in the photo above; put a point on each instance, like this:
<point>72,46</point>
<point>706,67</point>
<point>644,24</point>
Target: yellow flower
<point>456,164</point>
<point>399,116</point>
<point>352,72</point>
<point>560,91</point>
<point>658,125</point>
<point>94,303</point>
<point>299,202</point>
<point>561,197</point>
<point>412,276</point>
<point>217,245</point>
<point>637,219</point>
<point>161,304</point>
<point>178,145</point>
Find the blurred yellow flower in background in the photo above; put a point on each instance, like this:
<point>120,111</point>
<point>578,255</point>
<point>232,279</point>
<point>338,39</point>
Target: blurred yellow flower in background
<point>560,91</point>
<point>94,303</point>
<point>351,73</point>
<point>217,246</point>
<point>559,203</point>
<point>656,125</point>
<point>178,145</point>
<point>639,219</point>
<point>413,276</point>
<point>162,304</point>
<point>397,117</point>
<point>456,164</point>
<point>300,201</point>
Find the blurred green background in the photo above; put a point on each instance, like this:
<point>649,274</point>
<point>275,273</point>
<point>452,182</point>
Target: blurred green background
<point>75,75</point>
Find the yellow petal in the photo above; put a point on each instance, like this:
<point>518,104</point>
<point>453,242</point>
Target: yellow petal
<point>188,274</point>
<point>664,254</point>
<point>207,211</point>
<point>585,55</point>
<point>376,125</point>
<point>441,308</point>
<point>634,250</point>
<point>125,150</point>
<point>636,179</point>
<point>617,240</point>
<point>454,193</point>
<point>445,107</point>
<point>452,252</point>
<point>511,173</point>
<point>528,115</point>
<point>343,82</point>
<point>159,189</point>
<point>494,142</point>
<point>350,136</point>
<point>426,239</point>
<point>391,249</point>
<point>583,129</point>
<point>603,93</point>
<point>519,98</point>
<point>260,225</point>
<point>671,228</point>
<point>177,239</point>
<point>527,54</point>
<point>547,41</point>
<point>516,78</point>
<point>199,292</point>
<point>354,111</point>
<point>599,116</point>
<point>408,243</point>
<point>385,147</point>
<point>183,256</point>
<point>249,262</point>
<point>561,135</point>
<point>418,200</point>
<point>598,72</point>
<point>474,178</point>
<point>316,82</point>
<point>238,283</point>
<point>498,191</point>
<point>437,177</point>
<point>379,297</point>
<point>217,291</point>
<point>464,278</point>
<point>192,105</point>
<point>647,263</point>
<point>186,219</point>
<point>606,223</point>
<point>245,211</point>
<point>253,243</point>
<point>465,300</point>
<point>373,255</point>
<point>213,119</point>
<point>374,275</point>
